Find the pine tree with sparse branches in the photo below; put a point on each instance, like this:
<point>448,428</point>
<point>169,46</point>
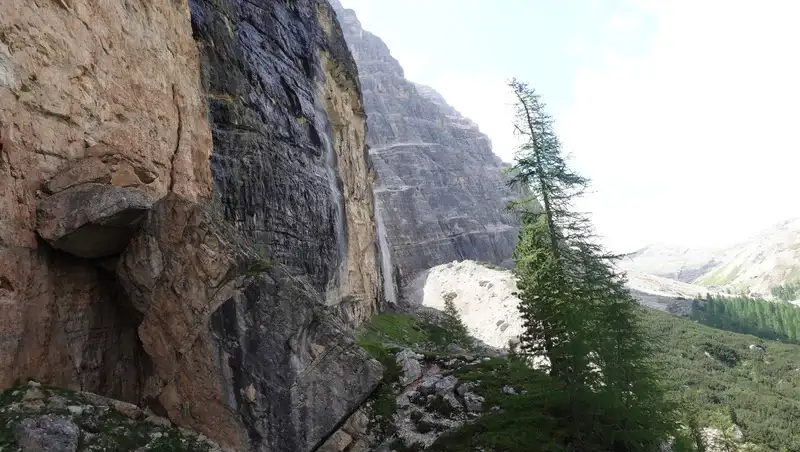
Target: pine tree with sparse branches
<point>576,310</point>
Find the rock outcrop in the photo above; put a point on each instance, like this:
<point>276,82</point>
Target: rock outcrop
<point>90,92</point>
<point>220,295</point>
<point>39,418</point>
<point>289,141</point>
<point>427,401</point>
<point>440,189</point>
<point>91,220</point>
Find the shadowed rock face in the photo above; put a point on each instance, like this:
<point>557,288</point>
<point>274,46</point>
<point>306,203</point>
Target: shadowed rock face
<point>288,126</point>
<point>439,188</point>
<point>291,172</point>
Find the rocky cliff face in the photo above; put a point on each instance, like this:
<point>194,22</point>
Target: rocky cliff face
<point>289,140</point>
<point>239,348</point>
<point>440,189</point>
<point>96,92</point>
<point>215,288</point>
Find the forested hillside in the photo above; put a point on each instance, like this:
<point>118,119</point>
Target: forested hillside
<point>721,379</point>
<point>768,320</point>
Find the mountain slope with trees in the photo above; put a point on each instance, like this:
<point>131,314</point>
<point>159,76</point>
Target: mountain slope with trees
<point>778,321</point>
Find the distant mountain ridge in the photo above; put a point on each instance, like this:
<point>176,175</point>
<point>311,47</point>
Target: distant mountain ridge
<point>756,265</point>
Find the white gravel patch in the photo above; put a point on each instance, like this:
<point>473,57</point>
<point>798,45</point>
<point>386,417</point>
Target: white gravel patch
<point>483,299</point>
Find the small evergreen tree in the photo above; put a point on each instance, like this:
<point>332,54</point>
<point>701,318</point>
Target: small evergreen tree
<point>576,310</point>
<point>453,324</point>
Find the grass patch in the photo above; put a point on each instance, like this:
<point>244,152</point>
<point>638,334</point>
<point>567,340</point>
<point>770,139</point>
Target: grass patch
<point>394,331</point>
<point>258,266</point>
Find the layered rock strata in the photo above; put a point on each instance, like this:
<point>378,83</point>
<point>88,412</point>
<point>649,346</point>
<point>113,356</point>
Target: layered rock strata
<point>440,189</point>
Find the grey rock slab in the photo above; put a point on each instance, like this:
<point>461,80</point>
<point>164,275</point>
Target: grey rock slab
<point>454,349</point>
<point>91,220</point>
<point>473,402</point>
<point>408,362</point>
<point>446,385</point>
<point>48,433</point>
<point>428,384</point>
<point>452,402</point>
<point>464,388</point>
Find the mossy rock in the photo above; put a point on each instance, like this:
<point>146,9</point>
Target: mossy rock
<point>99,423</point>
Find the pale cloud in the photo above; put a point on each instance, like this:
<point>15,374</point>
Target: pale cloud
<point>695,141</point>
<point>625,23</point>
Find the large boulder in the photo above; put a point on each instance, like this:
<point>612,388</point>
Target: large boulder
<point>91,220</point>
<point>47,433</point>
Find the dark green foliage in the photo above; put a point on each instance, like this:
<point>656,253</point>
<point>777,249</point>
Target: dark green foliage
<point>763,388</point>
<point>721,353</point>
<point>767,320</point>
<point>761,394</point>
<point>787,292</point>
<point>258,266</point>
<point>577,313</point>
<point>452,321</point>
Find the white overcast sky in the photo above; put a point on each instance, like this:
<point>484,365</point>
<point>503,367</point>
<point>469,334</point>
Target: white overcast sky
<point>685,114</point>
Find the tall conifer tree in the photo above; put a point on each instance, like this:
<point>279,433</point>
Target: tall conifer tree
<point>576,309</point>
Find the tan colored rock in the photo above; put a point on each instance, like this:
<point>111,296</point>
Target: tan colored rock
<point>338,442</point>
<point>87,170</point>
<point>352,436</point>
<point>62,322</point>
<point>361,284</point>
<point>123,76</point>
<point>184,263</point>
<point>126,176</point>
